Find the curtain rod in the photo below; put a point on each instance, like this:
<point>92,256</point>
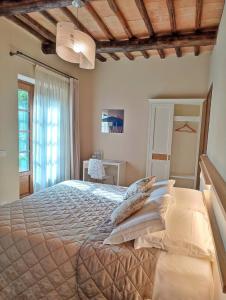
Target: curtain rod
<point>37,62</point>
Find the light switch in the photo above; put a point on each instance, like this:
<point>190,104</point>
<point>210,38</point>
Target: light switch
<point>3,153</point>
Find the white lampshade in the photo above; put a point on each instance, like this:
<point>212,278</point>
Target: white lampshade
<point>75,46</point>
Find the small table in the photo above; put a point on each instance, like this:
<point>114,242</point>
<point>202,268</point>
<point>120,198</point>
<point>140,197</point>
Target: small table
<point>118,164</point>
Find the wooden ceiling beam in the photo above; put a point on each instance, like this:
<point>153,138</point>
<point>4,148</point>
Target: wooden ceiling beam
<point>145,54</point>
<point>26,19</point>
<point>159,43</point>
<point>14,7</point>
<point>161,53</point>
<point>197,50</point>
<point>144,14</point>
<point>114,7</point>
<point>173,23</point>
<point>26,27</point>
<point>49,17</point>
<point>198,21</point>
<point>99,21</point>
<point>178,51</point>
<point>101,57</point>
<point>114,56</point>
<point>129,55</point>
<point>172,16</point>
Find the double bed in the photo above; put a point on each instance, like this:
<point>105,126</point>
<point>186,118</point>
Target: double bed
<point>51,247</point>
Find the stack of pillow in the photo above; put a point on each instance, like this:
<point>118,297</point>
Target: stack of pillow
<point>156,215</point>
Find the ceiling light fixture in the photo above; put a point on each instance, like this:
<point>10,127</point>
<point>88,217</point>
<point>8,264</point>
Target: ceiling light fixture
<point>74,45</point>
<point>77,3</point>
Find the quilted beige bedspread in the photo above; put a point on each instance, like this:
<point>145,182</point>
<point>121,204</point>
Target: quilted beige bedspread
<point>51,247</point>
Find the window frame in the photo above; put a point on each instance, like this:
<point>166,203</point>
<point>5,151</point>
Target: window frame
<point>23,85</point>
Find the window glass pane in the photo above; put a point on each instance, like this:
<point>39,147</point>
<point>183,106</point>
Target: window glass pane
<point>23,141</point>
<point>23,119</point>
<point>23,102</point>
<point>24,162</point>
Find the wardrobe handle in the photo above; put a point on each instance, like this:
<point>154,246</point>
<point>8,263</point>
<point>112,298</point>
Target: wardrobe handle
<point>160,156</point>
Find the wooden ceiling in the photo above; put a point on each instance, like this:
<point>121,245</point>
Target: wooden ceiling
<point>124,28</point>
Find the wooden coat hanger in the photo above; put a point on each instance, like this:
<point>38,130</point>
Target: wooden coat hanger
<point>186,128</point>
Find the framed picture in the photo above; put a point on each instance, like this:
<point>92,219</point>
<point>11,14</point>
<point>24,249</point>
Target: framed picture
<point>112,121</point>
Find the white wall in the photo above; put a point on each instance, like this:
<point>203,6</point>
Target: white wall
<point>127,85</point>
<point>217,134</point>
<point>14,38</point>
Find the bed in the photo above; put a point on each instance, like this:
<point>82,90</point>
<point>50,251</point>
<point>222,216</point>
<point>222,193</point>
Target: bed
<point>51,247</point>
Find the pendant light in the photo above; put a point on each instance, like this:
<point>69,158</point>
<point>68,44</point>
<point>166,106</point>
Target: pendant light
<point>74,45</point>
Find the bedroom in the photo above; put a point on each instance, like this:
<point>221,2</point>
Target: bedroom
<point>179,65</point>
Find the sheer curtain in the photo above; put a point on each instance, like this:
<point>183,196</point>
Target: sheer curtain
<point>74,129</point>
<point>51,129</point>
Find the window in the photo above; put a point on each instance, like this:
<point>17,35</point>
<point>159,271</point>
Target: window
<point>25,99</point>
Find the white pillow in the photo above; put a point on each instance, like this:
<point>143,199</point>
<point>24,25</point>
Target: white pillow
<point>148,219</point>
<point>189,199</point>
<point>161,188</point>
<point>187,233</point>
<point>128,208</point>
<point>139,186</point>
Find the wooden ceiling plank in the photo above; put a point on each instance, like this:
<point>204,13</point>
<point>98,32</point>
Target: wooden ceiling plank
<point>114,7</point>
<point>79,25</point>
<point>101,57</point>
<point>37,27</point>
<point>144,14</point>
<point>25,27</point>
<point>75,21</point>
<point>49,17</point>
<point>129,55</point>
<point>48,46</point>
<point>145,54</point>
<point>99,21</point>
<point>114,56</point>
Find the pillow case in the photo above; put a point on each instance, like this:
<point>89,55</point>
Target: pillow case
<point>141,185</point>
<point>149,218</point>
<point>161,187</point>
<point>128,207</point>
<point>190,199</point>
<point>187,233</point>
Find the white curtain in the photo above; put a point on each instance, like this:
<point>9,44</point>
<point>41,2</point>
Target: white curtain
<point>74,129</point>
<point>51,129</point>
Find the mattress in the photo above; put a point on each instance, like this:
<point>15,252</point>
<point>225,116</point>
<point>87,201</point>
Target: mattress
<point>51,247</point>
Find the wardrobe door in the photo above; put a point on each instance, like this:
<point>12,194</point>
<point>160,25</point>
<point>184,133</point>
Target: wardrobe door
<point>160,140</point>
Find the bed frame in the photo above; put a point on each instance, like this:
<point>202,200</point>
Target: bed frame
<point>214,190</point>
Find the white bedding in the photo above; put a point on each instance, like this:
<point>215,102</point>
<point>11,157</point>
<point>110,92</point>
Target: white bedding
<point>180,277</point>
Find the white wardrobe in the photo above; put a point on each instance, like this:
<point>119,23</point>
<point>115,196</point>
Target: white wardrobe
<point>173,139</point>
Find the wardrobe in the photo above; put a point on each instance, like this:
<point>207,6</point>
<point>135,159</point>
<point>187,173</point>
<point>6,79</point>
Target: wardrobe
<point>174,130</point>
